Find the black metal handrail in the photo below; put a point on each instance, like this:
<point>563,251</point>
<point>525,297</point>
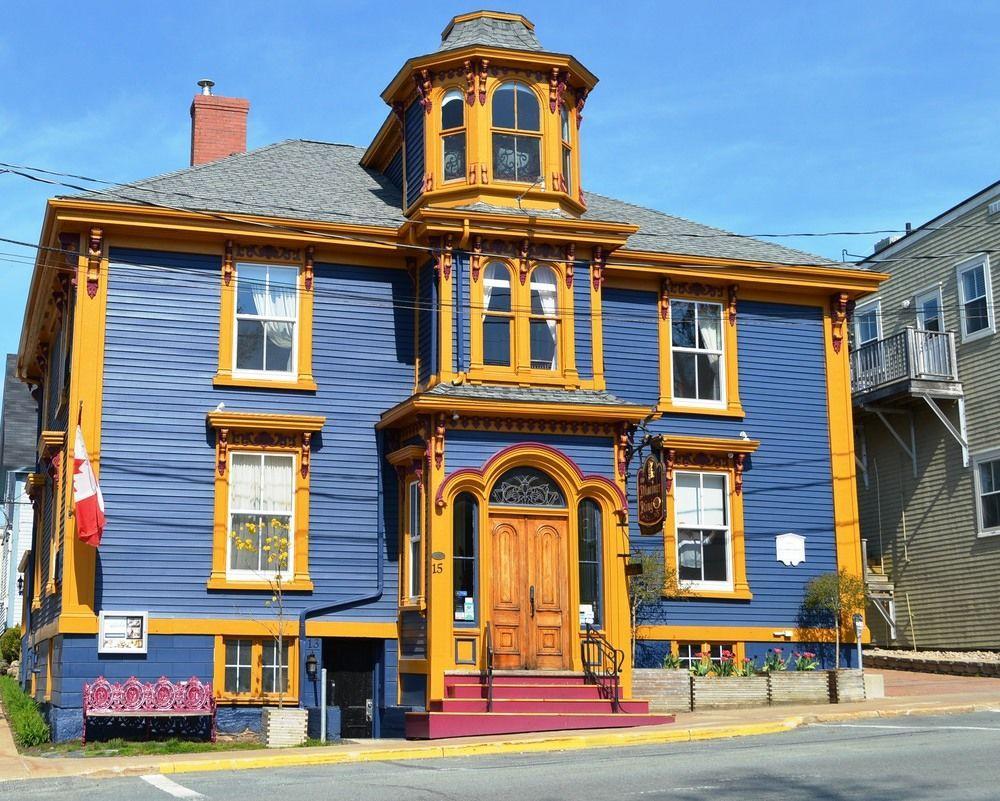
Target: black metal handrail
<point>487,674</point>
<point>602,665</point>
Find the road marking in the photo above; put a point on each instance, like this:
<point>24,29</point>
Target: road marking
<point>910,728</point>
<point>169,786</point>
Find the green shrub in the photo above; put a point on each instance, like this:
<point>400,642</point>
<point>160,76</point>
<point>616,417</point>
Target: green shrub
<point>10,644</point>
<point>22,713</point>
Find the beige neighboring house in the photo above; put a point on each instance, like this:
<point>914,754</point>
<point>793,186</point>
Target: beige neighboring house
<point>926,385</point>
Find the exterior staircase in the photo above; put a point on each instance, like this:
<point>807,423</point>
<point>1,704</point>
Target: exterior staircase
<point>524,701</point>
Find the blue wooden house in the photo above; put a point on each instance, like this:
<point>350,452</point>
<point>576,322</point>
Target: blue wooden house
<point>413,384</point>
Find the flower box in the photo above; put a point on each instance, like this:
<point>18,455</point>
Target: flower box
<point>667,690</point>
<point>728,692</point>
<point>847,685</point>
<point>800,686</point>
<point>285,727</point>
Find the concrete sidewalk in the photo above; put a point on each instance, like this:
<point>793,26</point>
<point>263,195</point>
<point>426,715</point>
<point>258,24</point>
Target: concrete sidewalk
<point>908,694</point>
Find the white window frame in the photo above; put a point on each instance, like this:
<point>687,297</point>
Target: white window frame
<point>918,299</point>
<point>714,586</point>
<point>721,353</point>
<point>414,535</point>
<point>986,456</point>
<point>960,269</point>
<point>861,309</point>
<point>260,575</point>
<point>272,375</point>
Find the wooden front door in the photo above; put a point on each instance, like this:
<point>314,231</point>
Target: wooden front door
<point>530,606</point>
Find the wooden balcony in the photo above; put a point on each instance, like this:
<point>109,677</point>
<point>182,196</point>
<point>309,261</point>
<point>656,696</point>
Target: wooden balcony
<point>910,364</point>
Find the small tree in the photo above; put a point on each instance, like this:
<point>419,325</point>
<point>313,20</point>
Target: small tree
<point>839,595</point>
<point>647,588</point>
<point>10,644</point>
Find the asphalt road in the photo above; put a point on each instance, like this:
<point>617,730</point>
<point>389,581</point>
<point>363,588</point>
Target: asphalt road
<point>951,757</point>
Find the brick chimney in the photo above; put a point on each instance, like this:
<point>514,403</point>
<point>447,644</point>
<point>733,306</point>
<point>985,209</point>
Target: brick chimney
<point>218,125</point>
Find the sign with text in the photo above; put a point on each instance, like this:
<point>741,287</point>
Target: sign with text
<point>651,495</point>
<point>122,632</point>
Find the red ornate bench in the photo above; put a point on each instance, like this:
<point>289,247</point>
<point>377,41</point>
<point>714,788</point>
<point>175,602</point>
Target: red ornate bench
<point>160,699</point>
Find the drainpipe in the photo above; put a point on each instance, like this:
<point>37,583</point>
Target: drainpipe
<point>323,609</point>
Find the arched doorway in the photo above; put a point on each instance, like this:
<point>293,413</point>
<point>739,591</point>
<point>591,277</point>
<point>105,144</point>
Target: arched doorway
<point>529,556</point>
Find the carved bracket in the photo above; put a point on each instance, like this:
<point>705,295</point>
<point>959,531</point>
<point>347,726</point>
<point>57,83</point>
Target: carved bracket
<point>696,289</point>
<point>306,453</point>
<point>444,259</point>
<point>483,67</point>
<point>222,449</point>
<point>557,88</point>
<point>475,260</point>
<point>94,246</point>
<point>669,459</point>
<point>570,262</point>
<point>598,267</point>
<point>624,442</point>
<point>733,290</point>
<point>581,101</point>
<point>470,82</point>
<point>523,261</point>
<point>227,263</point>
<point>838,319</point>
<point>665,299</point>
<point>439,431</point>
<point>739,460</point>
<point>310,256</point>
<point>423,80</point>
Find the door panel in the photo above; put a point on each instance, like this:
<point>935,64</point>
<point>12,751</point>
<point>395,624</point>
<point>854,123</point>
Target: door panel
<point>350,672</point>
<point>548,627</point>
<point>507,563</point>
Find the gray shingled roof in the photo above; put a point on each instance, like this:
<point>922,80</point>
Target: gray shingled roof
<point>527,394</point>
<point>18,422</point>
<point>506,34</point>
<point>325,182</point>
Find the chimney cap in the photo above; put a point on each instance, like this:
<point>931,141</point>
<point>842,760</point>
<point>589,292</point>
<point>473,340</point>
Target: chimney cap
<point>206,86</point>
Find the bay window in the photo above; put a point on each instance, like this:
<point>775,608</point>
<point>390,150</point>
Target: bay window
<point>498,316</point>
<point>453,135</point>
<point>544,319</point>
<point>517,140</point>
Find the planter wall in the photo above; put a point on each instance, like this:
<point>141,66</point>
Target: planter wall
<point>281,728</point>
<point>666,690</point>
<point>949,667</point>
<point>728,692</point>
<point>847,685</point>
<point>799,687</point>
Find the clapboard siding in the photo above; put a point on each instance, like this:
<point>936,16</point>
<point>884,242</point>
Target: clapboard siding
<point>427,327</point>
<point>394,169</point>
<point>157,466</point>
<point>925,527</point>
<point>413,138</point>
<point>472,449</point>
<point>631,361</point>
<point>583,334</point>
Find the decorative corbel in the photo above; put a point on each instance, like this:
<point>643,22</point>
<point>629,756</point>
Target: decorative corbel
<point>470,83</point>
<point>310,256</point>
<point>306,453</point>
<point>227,263</point>
<point>570,262</point>
<point>838,319</point>
<point>581,101</point>
<point>94,247</point>
<point>484,175</point>
<point>597,268</point>
<point>739,459</point>
<point>446,259</point>
<point>623,443</point>
<point>439,430</point>
<point>665,299</point>
<point>523,261</point>
<point>669,457</point>
<point>222,449</point>
<point>553,90</point>
<point>483,65</point>
<point>475,260</point>
<point>733,290</point>
<point>423,79</point>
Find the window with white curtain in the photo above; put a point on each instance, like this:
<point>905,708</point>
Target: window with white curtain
<point>261,494</point>
<point>414,534</point>
<point>544,319</point>
<point>266,319</point>
<point>701,511</point>
<point>498,315</point>
<point>697,352</point>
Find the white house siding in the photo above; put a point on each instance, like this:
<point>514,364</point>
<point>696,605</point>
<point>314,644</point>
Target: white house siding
<point>944,574</point>
<point>17,542</point>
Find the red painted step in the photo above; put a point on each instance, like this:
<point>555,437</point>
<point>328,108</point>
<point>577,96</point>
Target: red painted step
<point>542,706</point>
<point>519,677</point>
<point>435,725</point>
<point>543,691</point>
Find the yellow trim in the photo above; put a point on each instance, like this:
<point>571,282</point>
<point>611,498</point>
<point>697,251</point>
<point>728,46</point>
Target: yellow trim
<point>295,585</point>
<point>254,421</point>
<point>351,628</point>
<point>226,375</point>
<point>256,694</point>
<point>684,442</point>
<point>734,634</point>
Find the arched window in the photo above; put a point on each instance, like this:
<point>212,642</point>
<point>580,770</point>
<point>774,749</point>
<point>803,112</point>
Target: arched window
<point>517,141</point>
<point>589,533</point>
<point>527,486</point>
<point>498,315</point>
<point>544,319</point>
<point>567,149</point>
<point>453,135</point>
<point>465,551</point>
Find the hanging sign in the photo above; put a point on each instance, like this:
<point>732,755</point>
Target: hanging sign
<point>651,495</point>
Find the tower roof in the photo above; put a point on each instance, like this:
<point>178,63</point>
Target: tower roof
<point>491,29</point>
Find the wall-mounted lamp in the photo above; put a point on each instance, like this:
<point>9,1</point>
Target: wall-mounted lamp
<point>20,585</point>
<point>311,665</point>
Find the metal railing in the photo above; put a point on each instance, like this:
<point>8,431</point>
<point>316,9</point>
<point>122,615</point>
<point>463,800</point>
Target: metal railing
<point>602,665</point>
<point>487,675</point>
<point>910,354</point>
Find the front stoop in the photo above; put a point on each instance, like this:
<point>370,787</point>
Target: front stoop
<point>524,702</point>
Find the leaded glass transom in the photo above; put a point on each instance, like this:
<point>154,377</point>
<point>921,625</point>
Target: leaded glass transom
<point>526,486</point>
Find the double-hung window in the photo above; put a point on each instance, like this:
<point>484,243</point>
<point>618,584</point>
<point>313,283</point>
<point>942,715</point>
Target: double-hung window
<point>975,298</point>
<point>987,482</point>
<point>453,135</point>
<point>704,558</point>
<point>261,498</point>
<point>266,320</point>
<point>239,667</point>
<point>867,323</point>
<point>414,535</point>
<point>275,666</point>
<point>697,355</point>
<point>517,141</point>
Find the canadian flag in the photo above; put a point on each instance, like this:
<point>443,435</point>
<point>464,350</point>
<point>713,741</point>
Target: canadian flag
<point>87,496</point>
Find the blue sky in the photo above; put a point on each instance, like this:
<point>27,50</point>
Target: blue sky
<point>755,117</point>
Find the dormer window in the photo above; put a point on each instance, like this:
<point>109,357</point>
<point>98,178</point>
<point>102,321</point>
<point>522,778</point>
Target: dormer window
<point>567,150</point>
<point>544,319</point>
<point>517,140</point>
<point>520,321</point>
<point>453,135</point>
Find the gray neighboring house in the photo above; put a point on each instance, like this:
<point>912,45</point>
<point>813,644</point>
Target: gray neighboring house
<point>18,435</point>
<point>925,367</point>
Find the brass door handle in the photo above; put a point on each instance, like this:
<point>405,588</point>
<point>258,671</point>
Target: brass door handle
<point>531,599</point>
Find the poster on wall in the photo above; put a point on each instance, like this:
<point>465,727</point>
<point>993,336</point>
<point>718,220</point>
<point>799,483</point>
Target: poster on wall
<point>651,494</point>
<point>122,633</point>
